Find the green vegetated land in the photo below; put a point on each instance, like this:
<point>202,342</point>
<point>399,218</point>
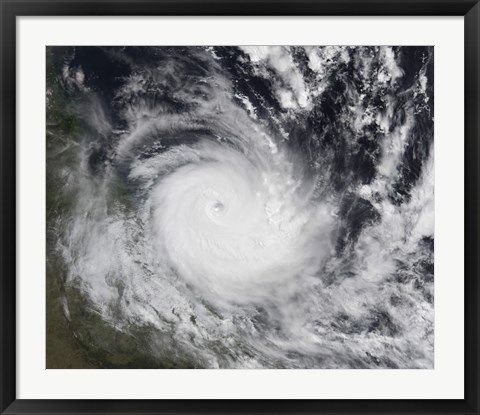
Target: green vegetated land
<point>62,349</point>
<point>77,337</point>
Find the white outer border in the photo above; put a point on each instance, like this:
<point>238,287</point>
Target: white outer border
<point>444,382</point>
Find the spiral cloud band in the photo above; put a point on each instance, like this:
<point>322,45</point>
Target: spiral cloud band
<point>236,229</point>
<point>242,207</point>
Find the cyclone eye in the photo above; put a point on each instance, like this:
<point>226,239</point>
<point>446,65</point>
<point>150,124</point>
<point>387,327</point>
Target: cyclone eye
<point>218,207</point>
<point>241,206</point>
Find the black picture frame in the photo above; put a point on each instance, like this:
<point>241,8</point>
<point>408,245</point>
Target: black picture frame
<point>9,10</point>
